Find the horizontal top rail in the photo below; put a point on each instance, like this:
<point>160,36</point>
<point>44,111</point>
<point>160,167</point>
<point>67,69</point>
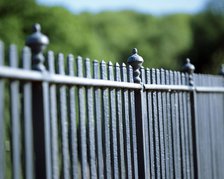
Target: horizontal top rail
<point>29,75</point>
<point>153,87</point>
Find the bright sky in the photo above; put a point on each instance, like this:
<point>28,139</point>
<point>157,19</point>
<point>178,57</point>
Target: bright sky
<point>146,6</point>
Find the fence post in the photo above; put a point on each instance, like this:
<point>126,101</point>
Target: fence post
<point>189,69</point>
<point>40,106</point>
<point>136,62</point>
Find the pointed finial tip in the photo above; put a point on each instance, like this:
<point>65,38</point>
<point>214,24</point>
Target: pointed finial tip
<point>134,50</point>
<point>26,48</point>
<point>36,27</point>
<point>103,62</point>
<point>60,55</point>
<point>70,56</point>
<point>87,59</point>
<point>50,52</point>
<point>110,63</point>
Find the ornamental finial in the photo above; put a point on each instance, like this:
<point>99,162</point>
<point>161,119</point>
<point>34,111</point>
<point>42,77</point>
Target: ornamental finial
<point>136,62</point>
<point>189,68</point>
<point>37,42</point>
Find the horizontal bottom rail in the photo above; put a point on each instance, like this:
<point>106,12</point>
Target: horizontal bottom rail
<point>29,75</point>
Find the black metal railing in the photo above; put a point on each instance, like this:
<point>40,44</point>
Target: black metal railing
<point>68,118</point>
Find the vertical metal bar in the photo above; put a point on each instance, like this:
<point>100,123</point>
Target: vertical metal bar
<point>120,124</point>
<point>140,108</point>
<point>210,127</point>
<point>203,135</point>
<point>220,126</point>
<point>2,54</point>
<point>178,134</point>
<point>91,127</point>
<point>175,129</point>
<point>54,122</point>
<point>221,83</point>
<point>204,129</point>
<point>161,126</point>
<point>64,121</point>
<point>192,121</point>
<point>211,119</point>
<point>40,107</point>
<point>140,131</point>
<point>165,125</point>
<point>46,112</point>
<point>126,124</point>
<point>194,142</point>
<point>72,119</point>
<point>113,123</point>
<point>82,122</point>
<point>186,127</point>
<point>39,131</point>
<point>146,125</point>
<point>98,118</point>
<point>215,102</point>
<point>27,114</point>
<point>217,132</point>
<point>106,123</point>
<point>133,125</point>
<point>218,129</point>
<point>200,143</point>
<point>2,124</point>
<point>156,127</point>
<point>151,127</point>
<point>169,125</point>
<point>182,129</point>
<point>190,134</point>
<point>15,114</point>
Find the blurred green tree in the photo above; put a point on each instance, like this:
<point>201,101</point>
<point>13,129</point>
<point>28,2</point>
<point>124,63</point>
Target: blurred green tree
<point>163,41</point>
<point>207,50</point>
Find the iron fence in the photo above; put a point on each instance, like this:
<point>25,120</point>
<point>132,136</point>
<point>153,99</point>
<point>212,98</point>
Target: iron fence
<point>68,118</point>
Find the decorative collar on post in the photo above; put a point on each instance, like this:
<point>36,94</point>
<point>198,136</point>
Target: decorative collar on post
<point>221,72</point>
<point>189,68</point>
<point>136,62</point>
<point>37,42</point>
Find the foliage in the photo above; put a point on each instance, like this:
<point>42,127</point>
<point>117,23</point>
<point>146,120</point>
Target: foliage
<point>207,49</point>
<point>163,41</point>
